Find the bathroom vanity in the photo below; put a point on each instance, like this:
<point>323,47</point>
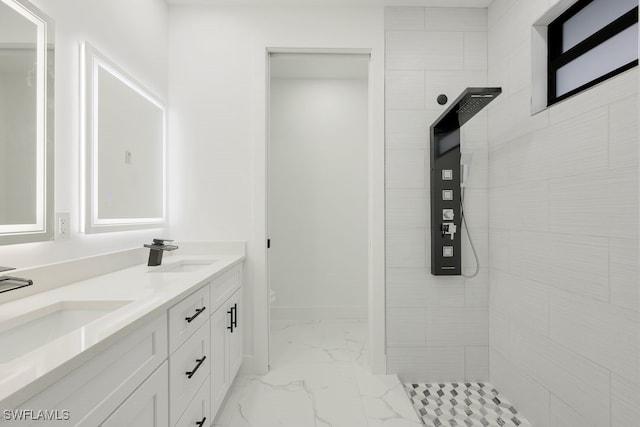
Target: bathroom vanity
<point>144,346</point>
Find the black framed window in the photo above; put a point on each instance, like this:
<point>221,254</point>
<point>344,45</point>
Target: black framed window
<point>591,42</point>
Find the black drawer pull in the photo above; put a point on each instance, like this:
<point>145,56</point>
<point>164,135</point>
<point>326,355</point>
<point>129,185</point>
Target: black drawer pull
<point>230,313</point>
<point>235,315</point>
<point>201,423</point>
<point>198,311</point>
<point>192,373</point>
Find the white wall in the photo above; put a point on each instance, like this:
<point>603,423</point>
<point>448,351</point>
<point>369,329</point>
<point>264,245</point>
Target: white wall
<point>318,197</point>
<point>563,209</point>
<point>133,35</point>
<point>218,121</point>
<point>437,327</point>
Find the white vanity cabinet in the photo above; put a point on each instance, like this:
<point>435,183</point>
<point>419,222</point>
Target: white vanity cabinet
<point>94,390</point>
<point>226,335</point>
<point>171,371</point>
<point>147,406</point>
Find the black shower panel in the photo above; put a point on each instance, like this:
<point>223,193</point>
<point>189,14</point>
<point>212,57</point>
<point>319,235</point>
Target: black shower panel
<point>446,212</point>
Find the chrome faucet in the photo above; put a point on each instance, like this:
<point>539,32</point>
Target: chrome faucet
<point>157,249</point>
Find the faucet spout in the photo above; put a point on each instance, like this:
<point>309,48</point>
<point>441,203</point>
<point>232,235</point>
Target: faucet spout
<point>157,249</point>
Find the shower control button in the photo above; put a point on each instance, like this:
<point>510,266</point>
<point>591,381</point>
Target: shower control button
<point>447,214</point>
<point>447,194</point>
<point>447,251</point>
<point>447,174</point>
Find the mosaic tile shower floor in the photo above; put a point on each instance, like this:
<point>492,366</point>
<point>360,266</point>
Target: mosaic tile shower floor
<point>464,405</point>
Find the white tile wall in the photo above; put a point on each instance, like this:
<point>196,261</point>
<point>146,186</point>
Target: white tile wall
<point>624,277</point>
<point>604,333</point>
<point>423,50</point>
<point>564,415</point>
<point>404,19</point>
<point>408,129</point>
<point>433,51</point>
<point>533,399</point>
<point>406,247</point>
<point>457,326</point>
<point>625,396</point>
<point>427,364</point>
<point>583,384</point>
<point>476,363</point>
<point>405,169</point>
<point>589,204</point>
<point>455,19</point>
<point>475,51</point>
<point>406,327</point>
<point>407,208</point>
<point>525,302</point>
<point>563,248</point>
<point>404,90</point>
<point>423,291</point>
<point>623,133</point>
<point>572,263</point>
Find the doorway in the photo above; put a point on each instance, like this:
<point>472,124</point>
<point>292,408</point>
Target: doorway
<point>317,197</point>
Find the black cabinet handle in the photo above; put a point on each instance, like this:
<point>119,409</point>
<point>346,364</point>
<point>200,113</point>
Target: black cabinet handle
<point>201,422</point>
<point>234,319</point>
<point>200,361</point>
<point>192,318</point>
<point>230,313</point>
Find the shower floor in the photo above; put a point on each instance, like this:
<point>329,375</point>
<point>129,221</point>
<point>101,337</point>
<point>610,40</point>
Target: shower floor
<point>463,404</point>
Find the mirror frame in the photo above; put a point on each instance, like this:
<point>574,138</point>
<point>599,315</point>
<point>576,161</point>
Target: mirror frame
<point>92,61</point>
<point>43,229</point>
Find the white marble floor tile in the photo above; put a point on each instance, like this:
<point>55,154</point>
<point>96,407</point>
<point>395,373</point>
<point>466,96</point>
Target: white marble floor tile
<point>318,378</point>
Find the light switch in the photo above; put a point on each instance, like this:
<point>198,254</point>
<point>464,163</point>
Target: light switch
<point>447,194</point>
<point>447,251</point>
<point>447,174</point>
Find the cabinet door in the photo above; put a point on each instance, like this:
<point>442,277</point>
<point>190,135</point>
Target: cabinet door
<point>219,360</point>
<point>147,406</point>
<point>235,335</point>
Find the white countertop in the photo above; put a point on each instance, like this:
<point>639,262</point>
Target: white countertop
<point>150,295</point>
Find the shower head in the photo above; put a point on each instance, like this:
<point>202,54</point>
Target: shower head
<point>467,105</point>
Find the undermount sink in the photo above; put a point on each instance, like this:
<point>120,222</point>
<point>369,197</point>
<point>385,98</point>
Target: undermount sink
<point>184,266</point>
<point>25,333</point>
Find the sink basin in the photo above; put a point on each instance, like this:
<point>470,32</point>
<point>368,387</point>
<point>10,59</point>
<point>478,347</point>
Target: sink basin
<point>184,266</point>
<point>25,333</point>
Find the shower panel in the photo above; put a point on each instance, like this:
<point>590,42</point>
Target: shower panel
<point>446,210</point>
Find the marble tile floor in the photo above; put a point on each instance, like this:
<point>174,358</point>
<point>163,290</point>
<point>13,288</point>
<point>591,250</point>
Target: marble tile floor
<point>463,404</point>
<point>318,378</point>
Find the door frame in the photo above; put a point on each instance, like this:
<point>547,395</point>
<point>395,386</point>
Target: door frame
<point>376,215</point>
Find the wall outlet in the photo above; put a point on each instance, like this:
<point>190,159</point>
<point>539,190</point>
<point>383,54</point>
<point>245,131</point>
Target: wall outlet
<point>62,225</point>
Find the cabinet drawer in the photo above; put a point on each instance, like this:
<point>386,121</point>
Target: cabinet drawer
<point>224,286</point>
<point>147,406</point>
<point>95,389</point>
<point>188,369</point>
<point>198,413</point>
<point>187,316</point>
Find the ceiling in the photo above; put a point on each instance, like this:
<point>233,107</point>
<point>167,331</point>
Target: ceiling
<point>424,3</point>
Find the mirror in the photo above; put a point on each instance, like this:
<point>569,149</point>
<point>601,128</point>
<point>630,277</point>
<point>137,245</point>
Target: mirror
<point>26,123</point>
<point>124,131</point>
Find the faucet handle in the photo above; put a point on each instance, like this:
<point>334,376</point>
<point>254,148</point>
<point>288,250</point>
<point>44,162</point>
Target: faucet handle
<point>161,241</point>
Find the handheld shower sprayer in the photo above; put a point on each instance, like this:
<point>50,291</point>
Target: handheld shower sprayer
<point>465,164</point>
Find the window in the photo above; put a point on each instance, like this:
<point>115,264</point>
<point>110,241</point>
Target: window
<point>591,42</point>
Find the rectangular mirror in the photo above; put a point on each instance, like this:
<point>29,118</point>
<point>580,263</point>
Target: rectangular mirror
<point>26,123</point>
<point>124,159</point>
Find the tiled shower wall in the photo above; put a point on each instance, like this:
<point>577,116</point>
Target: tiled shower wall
<point>437,327</point>
<point>563,215</point>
